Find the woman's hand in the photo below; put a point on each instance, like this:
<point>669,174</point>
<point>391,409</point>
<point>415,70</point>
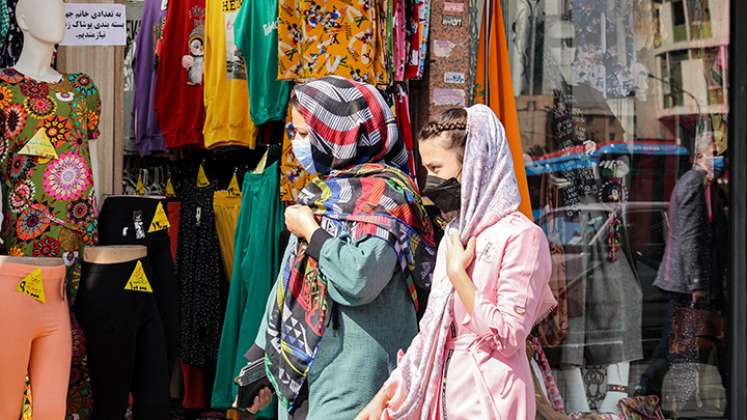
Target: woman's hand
<point>300,221</point>
<point>375,408</point>
<point>458,259</point>
<point>261,401</point>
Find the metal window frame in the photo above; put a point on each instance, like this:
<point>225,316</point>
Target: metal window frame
<point>738,208</point>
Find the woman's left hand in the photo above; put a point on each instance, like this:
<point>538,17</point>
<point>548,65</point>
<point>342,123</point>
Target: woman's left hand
<point>458,258</point>
<point>300,221</point>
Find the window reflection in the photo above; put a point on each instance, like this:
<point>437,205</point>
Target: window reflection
<point>622,105</point>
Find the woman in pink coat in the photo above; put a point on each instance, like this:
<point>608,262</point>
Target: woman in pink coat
<point>469,360</point>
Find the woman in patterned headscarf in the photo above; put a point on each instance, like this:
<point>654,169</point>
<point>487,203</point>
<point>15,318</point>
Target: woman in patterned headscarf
<point>345,301</point>
<point>468,360</point>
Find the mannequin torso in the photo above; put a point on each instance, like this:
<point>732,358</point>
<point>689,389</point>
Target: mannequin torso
<point>114,254</point>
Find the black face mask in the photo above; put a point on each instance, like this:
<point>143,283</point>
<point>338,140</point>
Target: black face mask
<point>446,194</point>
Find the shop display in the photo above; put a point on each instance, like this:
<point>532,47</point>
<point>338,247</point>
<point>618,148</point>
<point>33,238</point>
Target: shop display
<point>616,114</point>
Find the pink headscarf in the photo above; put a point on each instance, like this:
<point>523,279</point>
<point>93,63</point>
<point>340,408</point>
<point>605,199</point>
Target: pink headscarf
<point>489,193</point>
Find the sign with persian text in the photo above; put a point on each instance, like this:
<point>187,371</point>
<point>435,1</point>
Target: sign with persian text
<point>95,24</point>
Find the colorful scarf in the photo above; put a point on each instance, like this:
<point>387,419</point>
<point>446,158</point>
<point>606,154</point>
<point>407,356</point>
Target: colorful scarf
<point>489,193</point>
<point>350,125</point>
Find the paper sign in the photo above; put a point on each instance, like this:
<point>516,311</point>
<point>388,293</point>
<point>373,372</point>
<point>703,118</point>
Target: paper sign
<point>202,180</point>
<point>95,24</point>
<point>33,286</point>
<point>233,187</point>
<point>449,97</point>
<point>451,7</point>
<point>40,146</point>
<point>160,221</point>
<point>443,48</point>
<point>453,77</point>
<point>138,281</point>
<point>454,21</point>
<point>170,193</point>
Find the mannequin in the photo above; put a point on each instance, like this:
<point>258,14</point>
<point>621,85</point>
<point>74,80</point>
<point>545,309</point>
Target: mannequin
<point>114,254</point>
<point>41,31</point>
<point>37,336</point>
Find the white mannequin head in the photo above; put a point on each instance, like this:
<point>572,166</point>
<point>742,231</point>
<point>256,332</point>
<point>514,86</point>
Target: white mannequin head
<point>43,20</point>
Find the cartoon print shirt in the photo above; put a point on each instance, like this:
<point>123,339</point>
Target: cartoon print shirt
<point>318,38</point>
<point>45,167</point>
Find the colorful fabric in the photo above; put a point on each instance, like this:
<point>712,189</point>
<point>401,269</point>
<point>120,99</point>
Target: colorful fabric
<point>318,38</point>
<point>49,202</point>
<point>553,392</point>
<point>350,126</point>
<point>489,193</point>
<point>419,33</point>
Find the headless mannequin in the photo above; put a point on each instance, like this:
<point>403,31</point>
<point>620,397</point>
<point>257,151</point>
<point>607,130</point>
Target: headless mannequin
<point>114,254</point>
<point>41,32</point>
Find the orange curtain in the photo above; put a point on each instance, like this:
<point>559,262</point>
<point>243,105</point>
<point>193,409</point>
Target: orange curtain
<point>498,86</point>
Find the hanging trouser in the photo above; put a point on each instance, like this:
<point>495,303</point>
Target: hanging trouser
<point>174,212</point>
<point>125,339</point>
<point>34,336</point>
<point>126,220</point>
<point>255,268</point>
<point>227,208</point>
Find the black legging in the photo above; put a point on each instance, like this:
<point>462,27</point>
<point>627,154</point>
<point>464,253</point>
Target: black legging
<point>125,341</point>
<point>125,221</point>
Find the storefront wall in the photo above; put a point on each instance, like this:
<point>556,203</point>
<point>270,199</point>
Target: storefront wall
<point>631,159</point>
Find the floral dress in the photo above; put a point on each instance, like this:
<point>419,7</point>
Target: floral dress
<point>45,169</point>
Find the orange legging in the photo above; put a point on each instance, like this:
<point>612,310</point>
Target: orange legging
<point>34,337</point>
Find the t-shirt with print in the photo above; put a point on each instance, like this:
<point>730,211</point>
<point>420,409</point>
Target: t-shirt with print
<point>45,166</point>
<point>179,75</point>
<point>257,37</point>
<point>227,119</point>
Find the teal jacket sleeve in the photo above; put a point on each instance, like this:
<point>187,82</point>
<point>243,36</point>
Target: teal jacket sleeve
<point>357,271</point>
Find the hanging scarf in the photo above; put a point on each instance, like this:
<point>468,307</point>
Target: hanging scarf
<point>349,126</point>
<point>489,193</point>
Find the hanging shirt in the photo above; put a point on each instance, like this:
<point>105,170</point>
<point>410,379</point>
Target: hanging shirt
<point>335,37</point>
<point>134,11</point>
<point>257,37</point>
<point>178,97</point>
<point>147,133</point>
<point>227,119</point>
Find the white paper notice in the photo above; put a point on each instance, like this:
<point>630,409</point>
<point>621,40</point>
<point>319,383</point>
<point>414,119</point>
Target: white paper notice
<point>95,24</point>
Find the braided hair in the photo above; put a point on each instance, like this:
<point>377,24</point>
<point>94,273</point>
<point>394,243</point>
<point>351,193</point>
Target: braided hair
<point>452,123</point>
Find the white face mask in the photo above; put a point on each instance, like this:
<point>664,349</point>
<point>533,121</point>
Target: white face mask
<point>302,150</point>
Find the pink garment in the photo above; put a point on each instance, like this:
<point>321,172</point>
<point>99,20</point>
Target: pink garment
<point>487,373</point>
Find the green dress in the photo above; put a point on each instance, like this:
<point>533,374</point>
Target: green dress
<point>255,266</point>
<point>376,319</point>
<point>256,36</point>
<point>45,168</point>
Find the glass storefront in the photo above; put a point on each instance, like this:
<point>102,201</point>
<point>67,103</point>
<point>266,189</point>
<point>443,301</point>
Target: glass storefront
<point>623,106</point>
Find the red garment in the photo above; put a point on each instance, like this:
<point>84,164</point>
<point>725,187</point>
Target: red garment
<point>178,97</point>
<point>174,209</point>
<point>195,387</point>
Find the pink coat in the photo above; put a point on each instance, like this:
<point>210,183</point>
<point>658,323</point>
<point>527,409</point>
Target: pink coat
<point>487,375</point>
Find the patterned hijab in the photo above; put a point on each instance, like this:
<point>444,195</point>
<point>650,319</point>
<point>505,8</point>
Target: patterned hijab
<point>364,192</point>
<point>489,193</point>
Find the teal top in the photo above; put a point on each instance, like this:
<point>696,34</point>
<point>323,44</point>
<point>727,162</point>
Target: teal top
<point>256,35</point>
<point>376,319</point>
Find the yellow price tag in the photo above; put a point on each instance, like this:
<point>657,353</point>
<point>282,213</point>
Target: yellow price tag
<point>233,187</point>
<point>160,220</point>
<point>138,281</point>
<point>140,188</point>
<point>202,179</point>
<point>40,146</point>
<point>170,193</point>
<point>33,286</point>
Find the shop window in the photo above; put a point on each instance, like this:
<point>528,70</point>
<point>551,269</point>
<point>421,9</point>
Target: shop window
<point>629,156</point>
